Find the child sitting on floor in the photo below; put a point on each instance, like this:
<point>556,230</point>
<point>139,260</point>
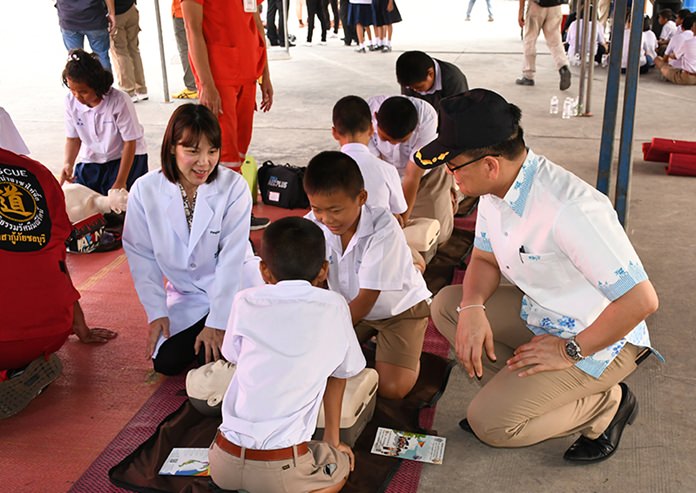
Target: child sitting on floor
<point>669,29</point>
<point>370,265</point>
<point>294,346</point>
<point>102,129</point>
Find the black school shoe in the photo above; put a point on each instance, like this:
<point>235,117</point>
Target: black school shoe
<point>588,451</point>
<point>564,72</point>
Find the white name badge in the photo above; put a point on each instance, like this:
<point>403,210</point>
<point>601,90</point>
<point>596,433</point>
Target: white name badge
<point>249,5</point>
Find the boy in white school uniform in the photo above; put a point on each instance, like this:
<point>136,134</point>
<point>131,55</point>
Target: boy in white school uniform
<point>404,124</point>
<point>294,346</point>
<point>370,265</point>
<point>352,129</point>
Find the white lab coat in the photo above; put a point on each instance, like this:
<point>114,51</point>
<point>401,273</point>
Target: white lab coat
<point>203,269</point>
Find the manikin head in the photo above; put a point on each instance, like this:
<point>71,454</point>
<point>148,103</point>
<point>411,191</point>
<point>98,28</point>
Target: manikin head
<point>206,386</point>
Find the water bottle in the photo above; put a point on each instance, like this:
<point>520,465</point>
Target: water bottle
<point>567,105</point>
<point>574,106</point>
<point>576,62</point>
<point>553,109</point>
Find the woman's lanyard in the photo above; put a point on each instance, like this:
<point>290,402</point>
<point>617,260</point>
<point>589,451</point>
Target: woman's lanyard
<point>189,207</point>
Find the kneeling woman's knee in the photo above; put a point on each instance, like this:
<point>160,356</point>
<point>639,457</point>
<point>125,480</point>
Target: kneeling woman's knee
<point>492,425</point>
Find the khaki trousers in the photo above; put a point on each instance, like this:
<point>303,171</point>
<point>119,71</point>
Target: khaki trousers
<point>434,201</point>
<point>125,52</point>
<point>547,19</point>
<point>677,76</point>
<point>512,411</point>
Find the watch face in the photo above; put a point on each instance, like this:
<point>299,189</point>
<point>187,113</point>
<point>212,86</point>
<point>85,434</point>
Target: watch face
<point>572,350</point>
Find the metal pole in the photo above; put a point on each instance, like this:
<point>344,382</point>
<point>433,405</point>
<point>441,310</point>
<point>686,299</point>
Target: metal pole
<point>284,20</point>
<point>623,178</point>
<point>593,50</point>
<point>577,19</point>
<point>583,57</point>
<point>165,82</point>
<point>611,98</point>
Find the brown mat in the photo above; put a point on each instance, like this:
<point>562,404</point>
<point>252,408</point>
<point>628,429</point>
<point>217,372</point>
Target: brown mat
<point>188,428</point>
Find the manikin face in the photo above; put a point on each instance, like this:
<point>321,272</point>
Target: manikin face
<point>195,163</point>
<point>209,382</point>
<point>83,93</point>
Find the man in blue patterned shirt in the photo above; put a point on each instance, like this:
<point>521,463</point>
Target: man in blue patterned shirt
<point>567,329</point>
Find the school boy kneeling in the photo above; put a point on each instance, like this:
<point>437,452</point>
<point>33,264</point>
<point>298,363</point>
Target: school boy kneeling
<point>370,265</point>
<point>294,346</point>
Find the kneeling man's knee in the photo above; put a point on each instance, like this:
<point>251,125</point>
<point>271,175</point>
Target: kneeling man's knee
<point>492,425</point>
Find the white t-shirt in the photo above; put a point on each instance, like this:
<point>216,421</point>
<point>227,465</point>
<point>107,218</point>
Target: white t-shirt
<point>104,128</point>
<point>286,340</point>
<point>649,42</point>
<point>377,257</point>
<point>668,30</point>
<point>677,41</point>
<point>559,240</point>
<point>624,52</point>
<point>688,56</point>
<point>400,154</point>
<point>574,36</point>
<point>364,2</point>
<point>382,181</point>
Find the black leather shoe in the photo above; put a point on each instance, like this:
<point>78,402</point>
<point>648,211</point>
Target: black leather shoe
<point>601,448</point>
<point>464,425</point>
<point>564,72</point>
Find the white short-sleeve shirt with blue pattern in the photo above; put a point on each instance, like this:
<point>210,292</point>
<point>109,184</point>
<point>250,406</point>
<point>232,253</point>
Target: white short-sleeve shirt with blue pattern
<point>559,240</point>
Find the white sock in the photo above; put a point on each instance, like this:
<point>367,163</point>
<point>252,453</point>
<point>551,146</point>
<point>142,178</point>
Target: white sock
<point>388,42</point>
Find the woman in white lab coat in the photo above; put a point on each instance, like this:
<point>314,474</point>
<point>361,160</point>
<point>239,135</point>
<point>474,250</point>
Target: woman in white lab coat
<point>188,223</point>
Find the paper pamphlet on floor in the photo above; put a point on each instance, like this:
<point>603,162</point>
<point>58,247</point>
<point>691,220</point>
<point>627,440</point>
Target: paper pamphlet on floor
<point>412,446</point>
<point>186,462</point>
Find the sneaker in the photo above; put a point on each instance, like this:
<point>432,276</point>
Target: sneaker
<point>386,49</point>
<point>308,43</point>
<point>186,94</point>
<point>490,18</point>
<point>322,42</point>
<point>361,50</point>
<point>523,81</point>
<point>17,392</point>
<point>134,98</point>
<point>143,97</point>
<point>373,48</point>
<point>564,84</point>
<point>467,18</point>
<point>259,222</point>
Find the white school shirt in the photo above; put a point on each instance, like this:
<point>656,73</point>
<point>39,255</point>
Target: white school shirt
<point>649,42</point>
<point>624,52</point>
<point>205,267</point>
<point>575,31</point>
<point>104,128</point>
<point>559,240</point>
<point>668,30</point>
<point>286,340</point>
<point>677,44</point>
<point>400,154</point>
<point>437,83</point>
<point>688,56</point>
<point>382,181</point>
<point>365,2</point>
<point>377,257</point>
<point>10,138</point>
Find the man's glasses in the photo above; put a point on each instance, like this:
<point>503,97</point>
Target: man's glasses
<point>455,168</point>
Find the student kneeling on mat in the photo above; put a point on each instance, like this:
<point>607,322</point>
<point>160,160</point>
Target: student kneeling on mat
<point>583,292</point>
<point>294,346</point>
<point>39,303</point>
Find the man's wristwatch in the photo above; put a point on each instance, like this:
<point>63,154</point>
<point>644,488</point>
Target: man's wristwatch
<point>572,350</point>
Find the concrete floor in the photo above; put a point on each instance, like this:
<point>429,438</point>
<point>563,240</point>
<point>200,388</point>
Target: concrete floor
<point>658,452</point>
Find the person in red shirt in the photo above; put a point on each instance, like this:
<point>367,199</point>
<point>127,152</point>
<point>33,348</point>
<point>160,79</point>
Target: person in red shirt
<point>227,49</point>
<point>40,303</point>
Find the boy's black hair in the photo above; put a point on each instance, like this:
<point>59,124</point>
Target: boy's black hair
<point>186,126</point>
<point>293,248</point>
<point>412,67</point>
<point>86,68</point>
<point>683,13</point>
<point>667,14</point>
<point>688,22</point>
<point>397,117</point>
<point>333,172</point>
<point>351,114</point>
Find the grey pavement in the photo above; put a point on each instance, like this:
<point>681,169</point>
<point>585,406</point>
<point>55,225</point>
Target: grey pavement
<point>658,452</point>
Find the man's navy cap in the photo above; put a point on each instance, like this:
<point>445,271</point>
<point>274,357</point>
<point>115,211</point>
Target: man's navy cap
<point>470,120</point>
